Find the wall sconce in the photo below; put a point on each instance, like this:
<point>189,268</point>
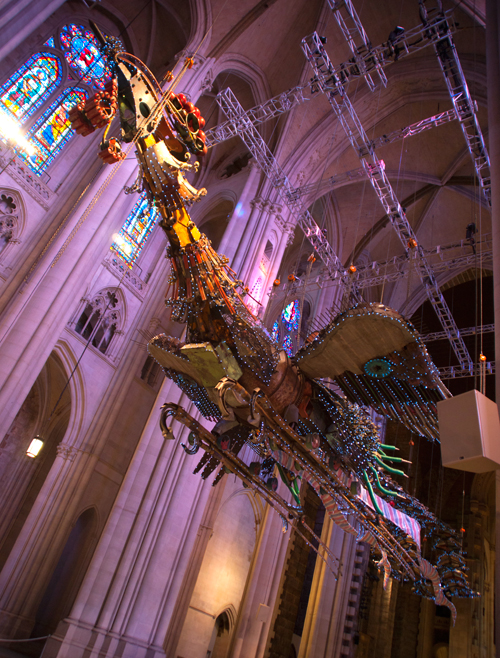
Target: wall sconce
<point>34,447</point>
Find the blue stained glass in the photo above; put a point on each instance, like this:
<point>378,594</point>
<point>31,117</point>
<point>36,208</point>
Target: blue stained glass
<point>30,86</point>
<point>275,331</point>
<point>50,42</point>
<point>291,315</point>
<point>136,230</point>
<point>53,130</point>
<point>288,345</point>
<point>82,52</point>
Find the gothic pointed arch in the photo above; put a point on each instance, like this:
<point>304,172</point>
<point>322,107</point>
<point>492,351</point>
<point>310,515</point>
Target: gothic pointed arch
<point>248,71</point>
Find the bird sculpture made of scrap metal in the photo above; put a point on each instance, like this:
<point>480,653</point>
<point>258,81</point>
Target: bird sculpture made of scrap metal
<point>238,377</point>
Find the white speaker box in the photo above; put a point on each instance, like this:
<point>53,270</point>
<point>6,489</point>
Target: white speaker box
<point>469,430</point>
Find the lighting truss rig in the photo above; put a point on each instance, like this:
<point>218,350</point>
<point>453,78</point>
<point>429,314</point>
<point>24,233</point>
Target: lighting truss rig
<point>278,179</point>
<point>330,82</point>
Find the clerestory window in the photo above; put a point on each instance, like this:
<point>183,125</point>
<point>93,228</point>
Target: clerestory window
<point>36,98</point>
<point>135,231</point>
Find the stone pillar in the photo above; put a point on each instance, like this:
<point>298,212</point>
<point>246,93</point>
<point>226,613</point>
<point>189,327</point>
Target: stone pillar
<point>425,640</point>
<point>256,247</point>
<point>135,594</point>
<point>493,80</point>
<point>37,314</point>
<point>241,257</point>
<point>254,619</point>
<point>36,551</point>
<point>329,600</point>
<point>237,227</point>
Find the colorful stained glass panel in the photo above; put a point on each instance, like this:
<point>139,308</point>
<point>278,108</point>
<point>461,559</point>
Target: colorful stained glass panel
<point>30,86</point>
<point>291,316</point>
<point>82,52</point>
<point>52,130</point>
<point>288,345</point>
<point>50,42</point>
<point>275,331</point>
<point>136,230</point>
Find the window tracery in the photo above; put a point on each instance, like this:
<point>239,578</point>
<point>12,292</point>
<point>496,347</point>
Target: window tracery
<point>100,319</point>
<point>27,97</point>
<point>83,55</point>
<point>135,231</point>
<point>30,86</point>
<point>53,130</point>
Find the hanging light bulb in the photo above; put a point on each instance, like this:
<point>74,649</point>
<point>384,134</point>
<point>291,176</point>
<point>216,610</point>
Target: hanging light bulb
<point>34,447</point>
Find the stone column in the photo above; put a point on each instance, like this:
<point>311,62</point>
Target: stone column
<point>237,227</point>
<point>34,320</point>
<point>135,588</point>
<point>29,567</point>
<point>329,599</point>
<point>258,207</point>
<point>254,619</point>
<point>493,80</point>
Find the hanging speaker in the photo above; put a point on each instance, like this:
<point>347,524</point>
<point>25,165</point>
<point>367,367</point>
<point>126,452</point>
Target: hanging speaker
<point>469,431</point>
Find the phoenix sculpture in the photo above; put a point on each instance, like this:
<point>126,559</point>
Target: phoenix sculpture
<point>238,377</point>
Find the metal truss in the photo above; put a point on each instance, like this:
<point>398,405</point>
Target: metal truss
<point>355,35</point>
<point>389,138</point>
<point>399,44</point>
<point>457,372</point>
<point>463,104</point>
<point>271,109</point>
<point>469,331</point>
<point>267,162</point>
<point>375,58</point>
<point>443,258</point>
<point>330,83</point>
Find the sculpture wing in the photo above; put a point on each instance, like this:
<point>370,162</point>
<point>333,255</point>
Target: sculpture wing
<point>377,359</point>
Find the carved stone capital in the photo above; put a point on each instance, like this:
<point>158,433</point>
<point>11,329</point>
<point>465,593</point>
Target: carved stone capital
<point>208,82</point>
<point>67,452</point>
<point>258,203</point>
<point>274,208</point>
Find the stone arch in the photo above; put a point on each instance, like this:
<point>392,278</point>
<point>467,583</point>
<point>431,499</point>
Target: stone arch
<point>61,591</point>
<point>221,637</point>
<point>46,412</point>
<point>224,571</point>
<point>216,216</point>
<point>76,386</point>
<point>201,25</point>
<point>248,71</point>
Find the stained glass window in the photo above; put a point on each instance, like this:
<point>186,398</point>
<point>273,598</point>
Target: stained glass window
<point>288,345</point>
<point>291,315</point>
<point>50,42</point>
<point>83,54</point>
<point>136,230</point>
<point>275,331</point>
<point>30,86</point>
<point>52,130</point>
